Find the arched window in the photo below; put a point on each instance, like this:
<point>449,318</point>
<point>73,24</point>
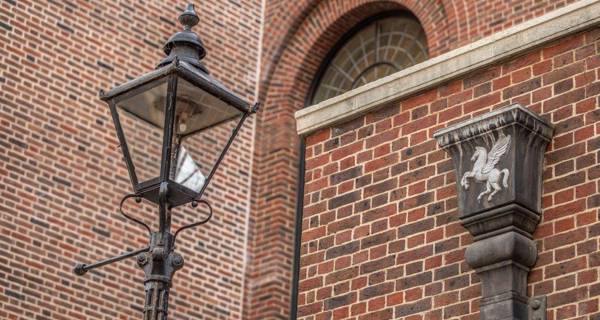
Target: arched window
<point>376,48</point>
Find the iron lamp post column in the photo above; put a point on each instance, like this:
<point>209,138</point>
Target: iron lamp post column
<point>159,264</point>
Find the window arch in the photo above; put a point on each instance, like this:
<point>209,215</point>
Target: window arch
<point>376,48</point>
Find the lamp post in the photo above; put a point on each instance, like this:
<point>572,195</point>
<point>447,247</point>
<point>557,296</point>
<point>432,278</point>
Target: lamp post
<point>167,106</point>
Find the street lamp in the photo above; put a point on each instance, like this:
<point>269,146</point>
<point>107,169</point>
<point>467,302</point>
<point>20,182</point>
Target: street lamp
<point>155,117</point>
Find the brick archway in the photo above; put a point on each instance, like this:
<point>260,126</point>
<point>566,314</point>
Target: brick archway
<point>298,55</point>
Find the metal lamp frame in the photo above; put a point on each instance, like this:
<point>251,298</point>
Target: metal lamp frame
<point>159,260</point>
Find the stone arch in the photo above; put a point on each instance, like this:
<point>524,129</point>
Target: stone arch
<point>298,54</point>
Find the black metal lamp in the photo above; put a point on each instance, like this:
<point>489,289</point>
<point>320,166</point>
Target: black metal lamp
<point>154,116</point>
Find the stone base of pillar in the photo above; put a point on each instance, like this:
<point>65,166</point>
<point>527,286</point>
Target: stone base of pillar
<point>505,296</point>
<point>502,263</point>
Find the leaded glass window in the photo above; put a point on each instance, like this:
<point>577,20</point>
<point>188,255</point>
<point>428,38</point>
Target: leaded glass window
<point>379,48</point>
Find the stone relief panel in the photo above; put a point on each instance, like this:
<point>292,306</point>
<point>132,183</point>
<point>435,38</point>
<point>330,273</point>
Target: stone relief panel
<point>484,168</point>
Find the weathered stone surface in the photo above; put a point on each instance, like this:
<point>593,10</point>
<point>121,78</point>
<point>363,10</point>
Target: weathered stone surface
<point>500,151</point>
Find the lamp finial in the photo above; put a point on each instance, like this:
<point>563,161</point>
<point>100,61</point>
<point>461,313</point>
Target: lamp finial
<point>189,18</point>
<point>185,45</point>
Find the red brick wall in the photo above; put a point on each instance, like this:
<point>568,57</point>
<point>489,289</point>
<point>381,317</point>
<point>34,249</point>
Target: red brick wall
<point>381,238</point>
<point>297,37</point>
<point>61,175</point>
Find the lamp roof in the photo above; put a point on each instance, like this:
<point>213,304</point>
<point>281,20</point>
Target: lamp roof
<point>185,45</point>
<point>188,72</point>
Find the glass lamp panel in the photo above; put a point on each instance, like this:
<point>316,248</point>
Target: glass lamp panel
<point>195,156</point>
<point>142,119</point>
<point>197,109</point>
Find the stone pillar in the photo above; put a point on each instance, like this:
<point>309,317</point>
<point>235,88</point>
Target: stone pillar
<point>498,159</point>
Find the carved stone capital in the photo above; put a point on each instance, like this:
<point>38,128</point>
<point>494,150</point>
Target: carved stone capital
<point>498,159</point>
<point>501,151</point>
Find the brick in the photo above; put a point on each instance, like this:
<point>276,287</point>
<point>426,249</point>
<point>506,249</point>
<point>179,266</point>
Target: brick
<point>566,297</point>
<point>317,162</point>
<point>521,62</point>
<point>419,124</point>
<point>340,301</point>
<point>347,127</point>
<point>481,77</point>
<point>416,201</point>
<point>310,284</point>
<point>568,44</point>
<point>568,125</point>
<point>384,137</point>
<point>419,112</point>
<point>588,307</point>
<point>500,83</point>
<point>593,201</point>
<point>414,267</point>
<point>446,245</point>
<point>564,182</point>
<point>564,168</point>
<point>563,59</point>
<point>542,67</point>
<point>563,86</point>
<point>341,275</point>
<point>456,310</point>
<point>388,111</point>
<point>381,187</point>
<point>563,73</point>
<point>381,162</point>
<point>385,314</point>
<point>456,283</point>
<point>415,254</point>
<point>521,75</point>
<point>418,100</point>
<point>342,250</point>
<point>345,175</point>
<point>331,144</point>
<point>564,99</point>
<point>318,137</point>
<point>483,102</point>
<point>594,230</point>
<point>376,290</point>
<point>482,89</point>
<point>414,281</point>
<point>343,152</point>
<point>565,267</point>
<point>343,200</point>
<point>377,239</point>
<point>377,265</point>
<point>417,227</point>
<point>408,309</point>
<point>379,213</point>
<point>521,88</point>
<point>307,309</point>
<point>563,239</point>
<point>562,154</point>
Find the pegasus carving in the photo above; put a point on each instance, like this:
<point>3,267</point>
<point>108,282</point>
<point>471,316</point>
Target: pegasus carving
<point>484,168</point>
